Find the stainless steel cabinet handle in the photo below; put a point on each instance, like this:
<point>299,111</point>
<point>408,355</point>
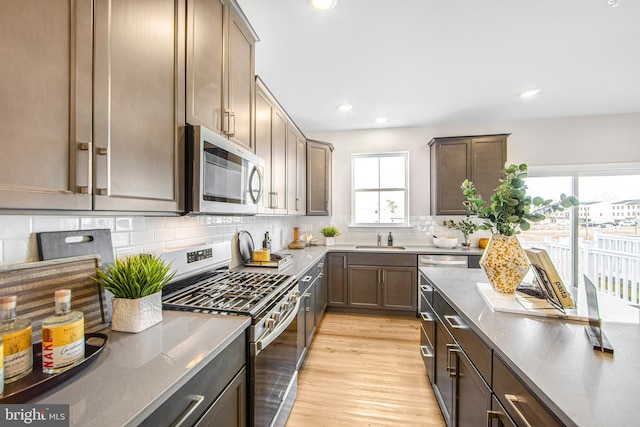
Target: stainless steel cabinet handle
<point>344,261</point>
<point>320,265</point>
<point>512,400</point>
<point>452,350</point>
<point>426,288</point>
<point>425,263</point>
<point>307,295</point>
<point>426,316</point>
<point>455,322</point>
<point>426,351</point>
<point>491,415</point>
<point>232,129</point>
<point>195,402</point>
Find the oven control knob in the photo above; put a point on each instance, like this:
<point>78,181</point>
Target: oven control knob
<point>276,316</point>
<point>269,323</point>
<point>285,306</point>
<point>294,297</point>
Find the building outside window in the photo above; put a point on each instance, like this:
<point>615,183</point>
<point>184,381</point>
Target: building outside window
<point>380,189</point>
<point>599,238</point>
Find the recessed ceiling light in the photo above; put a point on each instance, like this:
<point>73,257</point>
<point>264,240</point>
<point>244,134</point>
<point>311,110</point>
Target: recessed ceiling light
<point>323,5</point>
<point>345,107</point>
<point>529,93</point>
<point>381,120</point>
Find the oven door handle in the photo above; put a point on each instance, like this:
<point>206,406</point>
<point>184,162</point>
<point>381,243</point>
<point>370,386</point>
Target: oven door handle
<point>270,335</point>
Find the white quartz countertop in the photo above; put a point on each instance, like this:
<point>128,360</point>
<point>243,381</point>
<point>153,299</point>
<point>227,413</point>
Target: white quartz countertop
<point>554,357</point>
<point>136,373</point>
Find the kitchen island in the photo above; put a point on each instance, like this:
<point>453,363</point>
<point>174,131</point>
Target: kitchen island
<point>137,373</point>
<point>553,358</point>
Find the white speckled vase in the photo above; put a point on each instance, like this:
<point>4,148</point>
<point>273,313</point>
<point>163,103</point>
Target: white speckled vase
<point>136,315</point>
<point>504,262</point>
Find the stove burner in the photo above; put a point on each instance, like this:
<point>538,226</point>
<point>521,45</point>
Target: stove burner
<point>238,292</point>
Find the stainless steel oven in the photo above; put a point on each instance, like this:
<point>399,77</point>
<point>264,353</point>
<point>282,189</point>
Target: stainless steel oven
<point>221,177</point>
<point>272,301</point>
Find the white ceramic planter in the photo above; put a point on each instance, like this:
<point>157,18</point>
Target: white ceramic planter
<point>136,315</point>
<point>330,241</point>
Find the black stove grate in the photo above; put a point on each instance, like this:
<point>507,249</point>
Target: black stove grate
<point>238,292</point>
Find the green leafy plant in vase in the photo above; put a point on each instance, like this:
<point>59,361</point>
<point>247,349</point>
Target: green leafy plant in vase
<point>509,212</point>
<point>136,283</point>
<point>330,233</point>
<point>465,226</point>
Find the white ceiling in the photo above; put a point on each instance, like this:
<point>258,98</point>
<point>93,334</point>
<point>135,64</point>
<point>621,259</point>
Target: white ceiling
<point>428,62</point>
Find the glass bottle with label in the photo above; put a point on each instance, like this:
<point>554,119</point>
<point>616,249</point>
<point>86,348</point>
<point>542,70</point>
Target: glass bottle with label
<point>62,335</point>
<point>16,334</point>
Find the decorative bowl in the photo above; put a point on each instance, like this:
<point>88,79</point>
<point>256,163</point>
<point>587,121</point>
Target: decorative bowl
<point>445,242</point>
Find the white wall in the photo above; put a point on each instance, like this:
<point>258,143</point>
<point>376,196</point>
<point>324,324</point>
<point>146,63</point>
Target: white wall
<point>567,141</point>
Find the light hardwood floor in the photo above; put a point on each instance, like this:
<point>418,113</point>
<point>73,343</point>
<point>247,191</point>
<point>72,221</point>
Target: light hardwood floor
<point>365,371</point>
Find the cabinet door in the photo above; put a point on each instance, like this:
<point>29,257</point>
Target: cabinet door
<point>263,134</point>
<point>301,170</point>
<point>310,321</point>
<point>473,396</point>
<point>399,288</point>
<point>487,161</point>
<point>443,383</point>
<point>296,172</point>
<point>205,58</point>
<point>337,279</point>
<point>46,136</point>
<point>319,178</point>
<point>139,105</point>
<point>450,166</point>
<point>230,409</point>
<point>364,286</point>
<point>278,196</point>
<point>321,294</point>
<point>240,72</point>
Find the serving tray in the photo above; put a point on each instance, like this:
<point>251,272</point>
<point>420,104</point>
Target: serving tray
<point>38,382</point>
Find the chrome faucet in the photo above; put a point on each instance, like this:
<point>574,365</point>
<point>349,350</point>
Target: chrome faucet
<point>379,239</point>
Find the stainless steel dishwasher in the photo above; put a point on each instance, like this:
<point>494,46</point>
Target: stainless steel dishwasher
<point>443,261</point>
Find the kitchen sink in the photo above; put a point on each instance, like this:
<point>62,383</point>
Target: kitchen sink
<point>397,248</point>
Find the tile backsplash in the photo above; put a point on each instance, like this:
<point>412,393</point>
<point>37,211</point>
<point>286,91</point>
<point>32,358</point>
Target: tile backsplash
<point>137,234</point>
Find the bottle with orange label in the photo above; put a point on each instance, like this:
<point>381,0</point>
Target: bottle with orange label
<point>62,335</point>
<point>16,334</point>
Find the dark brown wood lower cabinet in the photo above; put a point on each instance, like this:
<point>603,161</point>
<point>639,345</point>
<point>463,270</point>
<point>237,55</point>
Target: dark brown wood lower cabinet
<point>230,409</point>
<point>464,397</point>
<point>336,279</point>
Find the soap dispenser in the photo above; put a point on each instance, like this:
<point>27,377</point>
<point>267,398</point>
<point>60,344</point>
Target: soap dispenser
<point>390,240</point>
<point>266,243</point>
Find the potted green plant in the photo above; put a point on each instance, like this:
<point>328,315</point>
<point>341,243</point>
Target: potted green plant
<point>509,212</point>
<point>466,226</point>
<point>330,233</point>
<point>136,283</point>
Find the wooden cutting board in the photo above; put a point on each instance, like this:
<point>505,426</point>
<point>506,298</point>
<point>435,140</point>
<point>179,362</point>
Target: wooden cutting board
<point>34,284</point>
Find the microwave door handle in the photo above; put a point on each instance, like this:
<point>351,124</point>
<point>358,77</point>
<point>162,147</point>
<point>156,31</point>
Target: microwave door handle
<point>253,191</point>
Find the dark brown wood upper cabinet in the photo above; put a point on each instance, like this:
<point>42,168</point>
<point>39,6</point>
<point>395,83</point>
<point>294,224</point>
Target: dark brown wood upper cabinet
<point>220,69</point>
<point>319,178</point>
<point>454,159</point>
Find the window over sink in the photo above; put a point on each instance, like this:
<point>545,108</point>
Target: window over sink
<point>380,189</point>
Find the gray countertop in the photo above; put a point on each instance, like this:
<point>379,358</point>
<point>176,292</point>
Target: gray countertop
<point>554,357</point>
<point>137,372</point>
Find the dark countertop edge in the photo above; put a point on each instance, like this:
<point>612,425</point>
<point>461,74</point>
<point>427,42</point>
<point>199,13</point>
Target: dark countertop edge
<point>167,393</point>
<point>512,365</point>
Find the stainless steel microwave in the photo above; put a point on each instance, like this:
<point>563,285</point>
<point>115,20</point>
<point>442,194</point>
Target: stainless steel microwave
<point>222,178</point>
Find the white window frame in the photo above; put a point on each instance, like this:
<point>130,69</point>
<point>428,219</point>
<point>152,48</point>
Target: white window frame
<point>405,222</point>
<point>575,172</point>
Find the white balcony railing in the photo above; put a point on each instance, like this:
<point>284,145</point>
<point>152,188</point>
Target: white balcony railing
<point>612,262</point>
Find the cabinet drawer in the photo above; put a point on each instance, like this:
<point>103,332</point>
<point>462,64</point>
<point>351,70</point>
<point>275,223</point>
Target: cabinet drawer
<point>207,384</point>
<point>426,352</point>
<point>516,398</point>
<point>475,349</point>
<point>426,292</point>
<point>377,259</point>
